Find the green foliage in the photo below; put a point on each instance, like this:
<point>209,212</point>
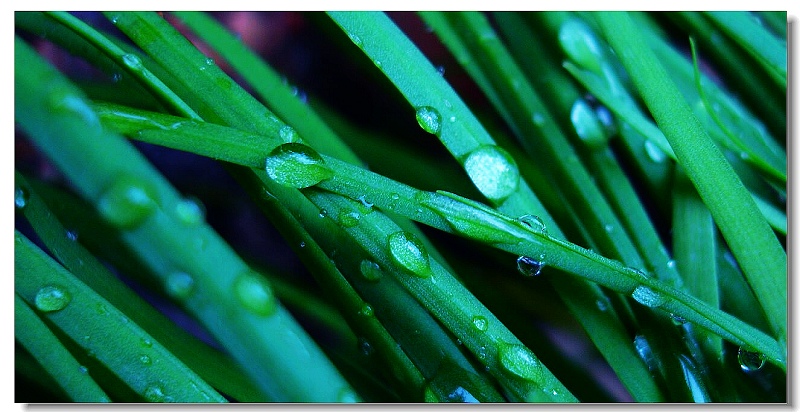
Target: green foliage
<point>549,222</point>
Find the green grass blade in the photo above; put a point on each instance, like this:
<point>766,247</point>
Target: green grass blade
<point>751,239</point>
<point>45,347</point>
<point>104,332</point>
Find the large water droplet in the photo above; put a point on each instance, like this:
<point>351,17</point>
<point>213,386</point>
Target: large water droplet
<point>580,44</point>
<point>429,119</point>
<point>20,197</point>
<point>128,202</point>
<point>648,297</point>
<point>408,252</point>
<point>750,360</point>
<point>52,298</point>
<point>480,323</point>
<point>296,165</point>
<point>371,270</point>
<point>587,125</point>
<point>255,294</point>
<point>520,361</point>
<point>179,285</point>
<point>493,171</point>
<point>533,223</point>
<point>190,211</point>
<point>529,266</point>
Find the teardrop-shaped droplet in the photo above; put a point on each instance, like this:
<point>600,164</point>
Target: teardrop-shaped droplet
<point>533,223</point>
<point>587,126</point>
<point>408,252</point>
<point>371,270</point>
<point>520,361</point>
<point>128,202</point>
<point>179,285</point>
<point>52,298</point>
<point>20,197</point>
<point>190,211</point>
<point>750,360</point>
<point>296,165</point>
<point>480,323</point>
<point>255,294</point>
<point>493,171</point>
<point>429,119</point>
<point>648,297</point>
<point>529,266</point>
<point>132,61</point>
<point>366,310</point>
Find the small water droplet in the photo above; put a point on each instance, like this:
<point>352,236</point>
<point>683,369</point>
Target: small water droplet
<point>296,165</point>
<point>52,298</point>
<point>452,119</point>
<point>529,266</point>
<point>602,304</point>
<point>609,228</point>
<point>323,213</point>
<point>155,393</point>
<point>534,223</point>
<point>209,61</point>
<point>645,353</point>
<point>378,63</point>
<point>371,270</point>
<point>302,244</point>
<point>101,309</point>
<point>72,235</point>
<point>480,323</point>
<point>750,360</point>
<point>429,119</point>
<point>346,395</point>
<point>408,252</point>
<point>519,361</point>
<point>288,134</point>
<point>654,152</point>
<point>538,119</point>
<point>587,126</point>
<point>440,69</point>
<point>179,285</point>
<point>365,347</point>
<point>677,320</point>
<point>146,342</point>
<point>493,171</point>
<point>83,369</point>
<point>366,310</point>
<point>355,39</point>
<point>648,297</point>
<point>20,197</point>
<point>190,211</point>
<point>349,218</point>
<point>128,202</point>
<point>114,19</point>
<point>132,61</point>
<point>116,77</point>
<point>255,294</point>
<point>145,360</point>
<point>671,264</point>
<point>395,196</point>
<point>364,202</point>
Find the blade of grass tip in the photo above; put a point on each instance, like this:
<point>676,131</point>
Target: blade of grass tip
<point>751,239</point>
<point>471,219</point>
<point>156,224</point>
<point>151,371</point>
<point>45,347</point>
<point>766,49</point>
<point>210,364</point>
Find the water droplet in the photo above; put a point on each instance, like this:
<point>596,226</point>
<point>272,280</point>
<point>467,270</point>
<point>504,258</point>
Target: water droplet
<point>52,298</point>
<point>72,235</point>
<point>580,44</point>
<point>365,347</point>
<point>190,211</point>
<point>677,320</point>
<point>671,264</point>
<point>364,202</point>
<point>371,270</point>
<point>534,223</point>
<point>82,369</point>
<point>366,310</point>
<point>408,252</point>
<point>155,393</point>
<point>654,152</point>
<point>145,360</point>
<point>209,61</point>
<point>493,171</point>
<point>648,297</point>
<point>395,196</point>
<point>179,285</point>
<point>538,119</point>
<point>146,342</point>
<point>520,361</point>
<point>114,19</point>
<point>128,202</point>
<point>101,309</point>
<point>323,213</point>
<point>429,119</point>
<point>452,119</point>
<point>750,360</point>
<point>20,197</point>
<point>643,349</point>
<point>602,304</point>
<point>609,228</point>
<point>296,165</point>
<point>587,125</point>
<point>356,40</point>
<point>288,134</point>
<point>116,77</point>
<point>440,69</point>
<point>132,61</point>
<point>480,323</point>
<point>530,267</point>
<point>346,395</point>
<point>255,294</point>
<point>349,218</point>
<point>302,244</point>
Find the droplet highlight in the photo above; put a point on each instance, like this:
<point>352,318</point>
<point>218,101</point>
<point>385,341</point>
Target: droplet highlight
<point>529,266</point>
<point>750,360</point>
<point>429,119</point>
<point>127,203</point>
<point>20,198</point>
<point>288,134</point>
<point>52,298</point>
<point>409,253</point>
<point>190,211</point>
<point>480,323</point>
<point>179,285</point>
<point>520,362</point>
<point>371,270</point>
<point>654,152</point>
<point>296,165</point>
<point>493,171</point>
<point>255,294</point>
<point>533,223</point>
<point>648,297</point>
